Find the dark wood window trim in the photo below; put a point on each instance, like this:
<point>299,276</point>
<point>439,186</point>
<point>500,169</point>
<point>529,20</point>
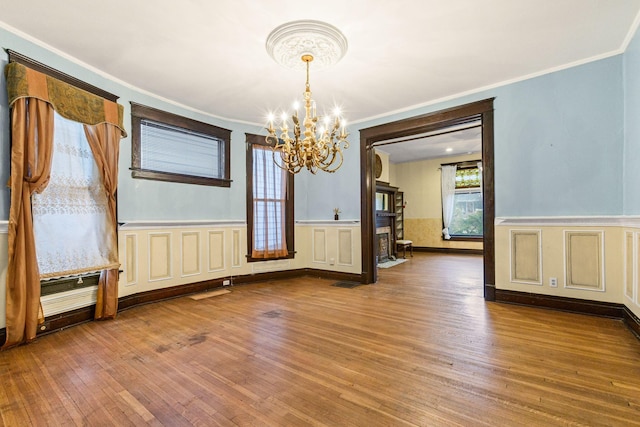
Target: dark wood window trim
<point>455,238</point>
<point>289,209</point>
<point>45,69</point>
<point>140,112</point>
<point>53,286</point>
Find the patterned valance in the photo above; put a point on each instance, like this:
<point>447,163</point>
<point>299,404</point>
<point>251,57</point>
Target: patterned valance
<point>68,101</point>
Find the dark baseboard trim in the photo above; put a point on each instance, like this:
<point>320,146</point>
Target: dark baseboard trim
<point>192,288</point>
<point>632,321</point>
<point>448,250</point>
<point>573,305</point>
<point>86,314</point>
<point>142,298</point>
<point>334,275</point>
<point>489,292</point>
<point>64,320</point>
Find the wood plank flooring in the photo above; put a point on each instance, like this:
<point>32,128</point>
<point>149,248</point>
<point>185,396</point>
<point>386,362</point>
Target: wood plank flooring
<point>419,348</point>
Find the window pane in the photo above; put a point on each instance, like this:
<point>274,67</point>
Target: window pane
<point>467,214</point>
<point>467,178</point>
<point>269,203</point>
<point>268,234</point>
<point>167,148</point>
<point>72,229</point>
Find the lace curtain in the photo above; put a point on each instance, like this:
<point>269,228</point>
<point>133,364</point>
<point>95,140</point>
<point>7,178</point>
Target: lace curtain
<point>72,227</point>
<point>448,192</point>
<point>269,201</point>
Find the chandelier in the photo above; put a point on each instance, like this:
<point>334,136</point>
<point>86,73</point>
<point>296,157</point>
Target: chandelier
<point>317,142</point>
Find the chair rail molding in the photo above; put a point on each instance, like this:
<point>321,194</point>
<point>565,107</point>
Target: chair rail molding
<point>570,221</point>
<point>154,224</point>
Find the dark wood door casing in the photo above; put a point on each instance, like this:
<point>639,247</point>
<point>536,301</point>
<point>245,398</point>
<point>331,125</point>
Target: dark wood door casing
<point>482,110</point>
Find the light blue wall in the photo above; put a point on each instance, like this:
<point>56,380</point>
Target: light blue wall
<point>632,127</point>
<point>139,199</point>
<point>325,191</point>
<point>559,148</point>
<point>558,142</point>
<point>5,145</point>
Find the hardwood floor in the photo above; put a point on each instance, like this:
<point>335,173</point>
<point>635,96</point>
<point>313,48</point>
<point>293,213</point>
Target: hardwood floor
<point>421,347</point>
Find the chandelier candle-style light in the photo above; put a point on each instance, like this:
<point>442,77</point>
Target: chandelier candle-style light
<point>317,142</point>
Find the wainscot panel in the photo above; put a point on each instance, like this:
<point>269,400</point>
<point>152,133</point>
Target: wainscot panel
<point>580,258</point>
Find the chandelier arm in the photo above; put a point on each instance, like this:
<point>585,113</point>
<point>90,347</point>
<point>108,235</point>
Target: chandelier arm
<point>326,162</point>
<point>341,157</point>
<point>308,148</point>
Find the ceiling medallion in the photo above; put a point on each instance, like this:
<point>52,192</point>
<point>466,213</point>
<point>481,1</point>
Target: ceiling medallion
<point>289,42</point>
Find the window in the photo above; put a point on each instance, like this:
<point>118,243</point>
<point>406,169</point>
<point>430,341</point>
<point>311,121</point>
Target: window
<point>269,204</point>
<point>167,147</point>
<point>73,231</point>
<point>467,206</point>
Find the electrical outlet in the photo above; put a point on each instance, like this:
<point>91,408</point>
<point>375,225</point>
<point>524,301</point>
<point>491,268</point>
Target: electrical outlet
<point>553,282</point>
<point>226,282</point>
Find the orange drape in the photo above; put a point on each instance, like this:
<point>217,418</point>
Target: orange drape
<point>104,139</point>
<point>31,153</point>
<point>32,98</point>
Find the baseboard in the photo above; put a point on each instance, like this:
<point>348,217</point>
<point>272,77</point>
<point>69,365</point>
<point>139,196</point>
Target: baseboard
<point>448,250</point>
<point>59,321</point>
<point>632,321</point>
<point>334,275</point>
<point>573,305</point>
<point>182,290</point>
<point>64,320</point>
<point>86,314</point>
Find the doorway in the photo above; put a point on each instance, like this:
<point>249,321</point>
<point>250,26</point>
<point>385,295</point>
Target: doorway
<point>456,116</point>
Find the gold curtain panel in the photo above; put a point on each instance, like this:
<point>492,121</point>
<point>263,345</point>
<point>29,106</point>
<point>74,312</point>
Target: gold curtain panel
<point>68,101</point>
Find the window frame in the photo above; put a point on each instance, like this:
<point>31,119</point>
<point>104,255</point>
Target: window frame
<point>469,164</point>
<point>141,112</point>
<point>251,140</point>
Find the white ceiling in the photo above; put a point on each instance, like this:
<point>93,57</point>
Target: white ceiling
<point>454,141</point>
<point>209,55</point>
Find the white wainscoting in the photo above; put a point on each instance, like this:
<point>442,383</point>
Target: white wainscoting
<point>216,250</point>
<point>584,260</point>
<point>331,245</point>
<point>525,254</point>
<point>156,254</point>
<point>591,258</point>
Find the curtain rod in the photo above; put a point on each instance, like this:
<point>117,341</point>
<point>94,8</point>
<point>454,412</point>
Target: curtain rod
<point>465,164</point>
